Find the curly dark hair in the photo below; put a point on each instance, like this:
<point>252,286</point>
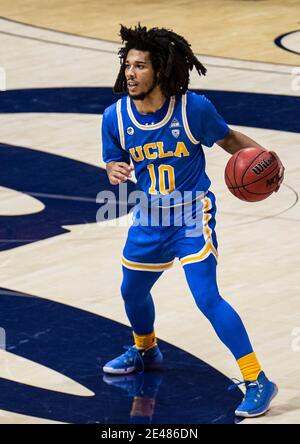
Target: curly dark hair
<point>171,56</point>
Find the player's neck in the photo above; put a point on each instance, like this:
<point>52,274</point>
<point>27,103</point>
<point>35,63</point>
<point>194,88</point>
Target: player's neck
<point>153,102</point>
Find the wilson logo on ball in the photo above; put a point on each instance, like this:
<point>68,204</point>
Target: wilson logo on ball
<point>262,165</point>
<point>251,174</point>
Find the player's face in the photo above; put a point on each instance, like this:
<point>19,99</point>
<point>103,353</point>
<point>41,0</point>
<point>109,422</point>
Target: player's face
<point>140,75</point>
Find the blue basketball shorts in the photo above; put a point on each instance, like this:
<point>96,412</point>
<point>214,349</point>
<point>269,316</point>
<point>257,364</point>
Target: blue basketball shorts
<point>158,236</point>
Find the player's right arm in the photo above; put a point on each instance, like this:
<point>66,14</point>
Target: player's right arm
<point>117,160</point>
<point>118,172</point>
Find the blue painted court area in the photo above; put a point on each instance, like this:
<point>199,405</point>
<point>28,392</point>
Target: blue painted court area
<point>257,110</point>
<point>77,343</point>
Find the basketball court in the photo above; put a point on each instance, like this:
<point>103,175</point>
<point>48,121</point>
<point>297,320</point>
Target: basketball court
<point>61,314</point>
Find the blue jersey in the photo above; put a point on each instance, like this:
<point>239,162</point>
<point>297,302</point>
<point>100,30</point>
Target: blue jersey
<point>165,146</point>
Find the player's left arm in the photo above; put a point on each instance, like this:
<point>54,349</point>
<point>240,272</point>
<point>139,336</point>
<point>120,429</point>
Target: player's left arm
<point>235,141</point>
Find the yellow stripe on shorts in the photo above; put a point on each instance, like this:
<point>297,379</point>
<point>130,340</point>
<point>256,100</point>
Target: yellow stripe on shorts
<point>201,255</point>
<point>146,267</point>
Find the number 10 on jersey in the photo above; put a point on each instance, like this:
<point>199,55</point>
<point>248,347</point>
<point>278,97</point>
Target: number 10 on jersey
<point>166,179</point>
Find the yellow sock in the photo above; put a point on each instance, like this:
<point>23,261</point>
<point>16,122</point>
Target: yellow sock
<point>249,367</point>
<point>146,341</point>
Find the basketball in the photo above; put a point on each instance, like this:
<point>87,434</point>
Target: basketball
<point>251,174</point>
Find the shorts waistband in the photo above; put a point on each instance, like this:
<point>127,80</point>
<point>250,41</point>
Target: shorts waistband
<point>181,204</point>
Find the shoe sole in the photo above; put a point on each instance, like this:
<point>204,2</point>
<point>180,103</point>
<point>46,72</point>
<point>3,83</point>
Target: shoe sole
<point>118,371</point>
<point>253,415</point>
<point>122,371</point>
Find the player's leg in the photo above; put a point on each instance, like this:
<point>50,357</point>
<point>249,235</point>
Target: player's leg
<point>144,260</point>
<point>139,306</point>
<point>201,277</point>
<point>196,246</point>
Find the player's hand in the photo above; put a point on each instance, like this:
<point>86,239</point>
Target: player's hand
<point>118,172</point>
<point>281,170</point>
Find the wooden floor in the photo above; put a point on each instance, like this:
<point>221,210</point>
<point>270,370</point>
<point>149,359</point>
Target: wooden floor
<point>233,28</point>
<point>74,44</point>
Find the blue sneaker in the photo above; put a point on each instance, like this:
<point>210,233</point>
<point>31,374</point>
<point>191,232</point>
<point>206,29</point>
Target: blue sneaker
<point>258,397</point>
<point>134,360</point>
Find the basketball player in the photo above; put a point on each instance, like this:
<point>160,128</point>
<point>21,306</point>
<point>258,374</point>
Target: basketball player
<point>160,127</point>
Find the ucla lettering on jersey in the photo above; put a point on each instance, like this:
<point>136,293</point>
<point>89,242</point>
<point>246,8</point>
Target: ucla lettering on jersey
<point>165,146</point>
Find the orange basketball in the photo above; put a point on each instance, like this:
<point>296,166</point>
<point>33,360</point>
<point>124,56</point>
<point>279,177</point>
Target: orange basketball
<point>251,174</point>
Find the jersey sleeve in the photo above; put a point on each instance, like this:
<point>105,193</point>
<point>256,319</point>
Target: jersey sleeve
<point>206,124</point>
<point>111,147</point>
